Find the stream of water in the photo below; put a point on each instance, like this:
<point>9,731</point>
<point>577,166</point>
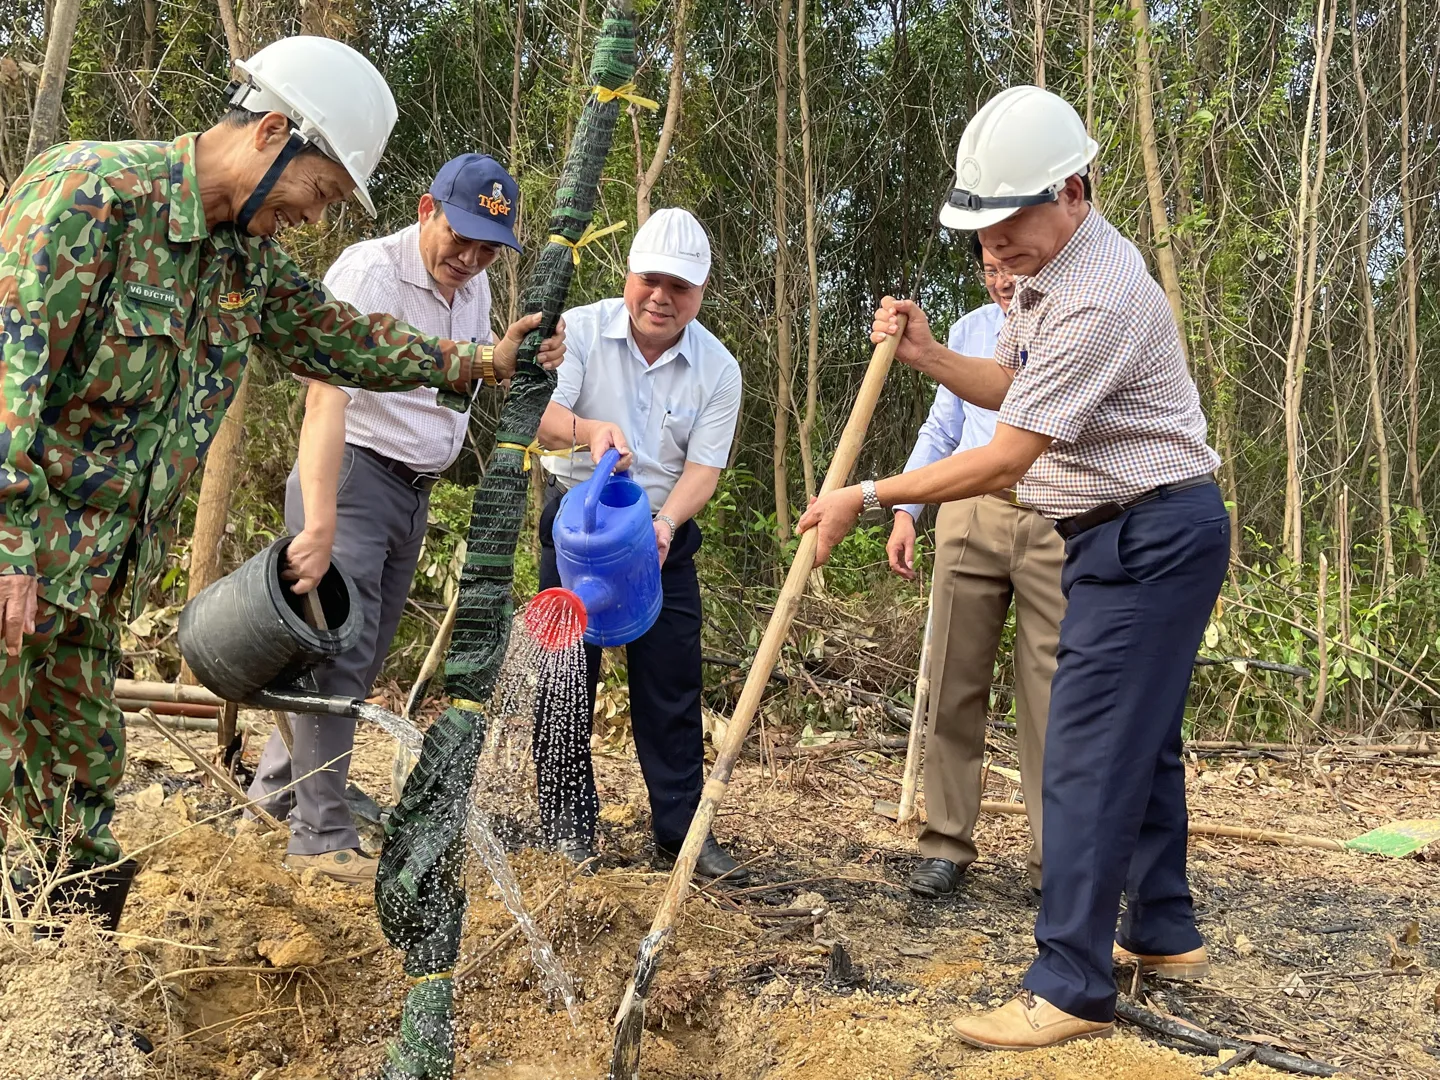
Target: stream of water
<point>528,666</point>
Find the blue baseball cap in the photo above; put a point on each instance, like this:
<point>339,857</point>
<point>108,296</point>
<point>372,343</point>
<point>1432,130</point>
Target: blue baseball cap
<point>479,198</point>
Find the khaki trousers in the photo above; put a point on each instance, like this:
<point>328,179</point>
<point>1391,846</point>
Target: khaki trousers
<point>987,551</point>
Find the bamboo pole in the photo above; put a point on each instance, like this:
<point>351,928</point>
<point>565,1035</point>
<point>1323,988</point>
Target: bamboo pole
<point>191,723</point>
<point>224,782</point>
<point>911,777</point>
<point>630,1017</point>
<point>139,690</point>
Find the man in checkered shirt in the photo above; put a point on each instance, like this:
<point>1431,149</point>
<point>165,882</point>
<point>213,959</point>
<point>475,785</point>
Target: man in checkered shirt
<point>360,491</point>
<point>1101,429</point>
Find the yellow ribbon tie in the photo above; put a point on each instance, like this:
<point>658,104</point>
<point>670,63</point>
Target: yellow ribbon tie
<point>590,235</point>
<point>604,94</point>
<point>437,975</point>
<point>467,705</point>
<point>536,450</point>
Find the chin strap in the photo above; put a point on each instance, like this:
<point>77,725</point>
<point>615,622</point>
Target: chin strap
<point>292,146</point>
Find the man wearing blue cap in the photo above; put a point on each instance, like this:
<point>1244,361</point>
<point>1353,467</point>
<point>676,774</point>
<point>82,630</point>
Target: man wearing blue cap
<point>360,489</point>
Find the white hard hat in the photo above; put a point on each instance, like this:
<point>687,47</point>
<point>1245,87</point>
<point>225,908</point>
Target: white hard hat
<point>335,96</point>
<point>1017,151</point>
<point>672,242</point>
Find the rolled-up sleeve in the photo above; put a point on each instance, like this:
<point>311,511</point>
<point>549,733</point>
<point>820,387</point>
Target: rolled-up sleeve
<point>1073,361</point>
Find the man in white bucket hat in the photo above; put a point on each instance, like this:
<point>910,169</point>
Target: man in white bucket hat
<point>642,375</point>
<point>1100,429</point>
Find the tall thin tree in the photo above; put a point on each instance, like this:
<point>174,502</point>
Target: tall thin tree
<point>49,95</point>
<point>1369,340</point>
<point>1154,183</point>
<point>783,367</point>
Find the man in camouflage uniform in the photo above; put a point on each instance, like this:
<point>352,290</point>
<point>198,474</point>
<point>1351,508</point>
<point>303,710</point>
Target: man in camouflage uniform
<point>135,277</point>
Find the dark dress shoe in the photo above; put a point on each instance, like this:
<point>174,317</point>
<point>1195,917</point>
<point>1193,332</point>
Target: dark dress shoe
<point>713,862</point>
<point>935,877</point>
<point>578,850</point>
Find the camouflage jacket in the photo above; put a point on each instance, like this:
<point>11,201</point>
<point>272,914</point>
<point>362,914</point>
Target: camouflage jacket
<point>125,323</point>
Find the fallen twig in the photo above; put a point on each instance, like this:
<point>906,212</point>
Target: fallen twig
<point>495,946</point>
<point>1229,1063</point>
<point>226,784</point>
<point>1174,1029</point>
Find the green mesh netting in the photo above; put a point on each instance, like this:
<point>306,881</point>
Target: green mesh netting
<point>419,892</point>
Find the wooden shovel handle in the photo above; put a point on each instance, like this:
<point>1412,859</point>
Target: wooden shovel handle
<point>768,653</point>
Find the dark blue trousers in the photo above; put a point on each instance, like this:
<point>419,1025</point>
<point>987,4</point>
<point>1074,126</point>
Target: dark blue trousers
<point>665,685</point>
<point>1140,591</point>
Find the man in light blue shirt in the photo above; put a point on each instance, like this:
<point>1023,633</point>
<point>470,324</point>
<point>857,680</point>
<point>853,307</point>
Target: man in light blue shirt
<point>643,376</point>
<point>988,551</point>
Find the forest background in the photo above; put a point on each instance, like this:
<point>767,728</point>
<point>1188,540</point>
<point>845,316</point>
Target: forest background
<point>1276,164</point>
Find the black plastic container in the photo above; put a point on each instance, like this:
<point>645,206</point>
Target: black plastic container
<point>247,631</point>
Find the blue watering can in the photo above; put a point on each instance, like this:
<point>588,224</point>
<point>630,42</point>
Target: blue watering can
<point>608,560</point>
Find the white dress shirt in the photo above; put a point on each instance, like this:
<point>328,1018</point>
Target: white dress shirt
<point>681,408</point>
<point>387,274</point>
<point>955,425</point>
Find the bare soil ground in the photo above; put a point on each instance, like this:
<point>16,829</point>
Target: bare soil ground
<point>239,970</point>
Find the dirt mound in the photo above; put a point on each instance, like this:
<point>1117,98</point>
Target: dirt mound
<point>58,1020</point>
<point>826,967</point>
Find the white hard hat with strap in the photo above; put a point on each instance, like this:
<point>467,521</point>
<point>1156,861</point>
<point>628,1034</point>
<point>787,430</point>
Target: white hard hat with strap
<point>335,98</point>
<point>1017,151</point>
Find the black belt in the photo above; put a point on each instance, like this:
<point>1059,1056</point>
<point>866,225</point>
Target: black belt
<point>1074,526</point>
<point>417,480</point>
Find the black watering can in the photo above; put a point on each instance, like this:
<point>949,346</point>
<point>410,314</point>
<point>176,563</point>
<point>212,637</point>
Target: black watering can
<point>247,639</point>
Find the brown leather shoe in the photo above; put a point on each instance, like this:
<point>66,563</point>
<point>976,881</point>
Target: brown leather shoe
<point>1185,966</point>
<point>1026,1022</point>
<point>347,867</point>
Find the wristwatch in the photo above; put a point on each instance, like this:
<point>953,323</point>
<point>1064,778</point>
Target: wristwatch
<point>487,365</point>
<point>870,499</point>
<point>668,520</point>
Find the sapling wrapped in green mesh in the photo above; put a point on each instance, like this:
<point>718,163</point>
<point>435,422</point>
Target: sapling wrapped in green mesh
<point>419,892</point>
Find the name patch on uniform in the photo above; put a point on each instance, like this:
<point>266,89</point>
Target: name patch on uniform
<point>238,301</point>
<point>154,295</point>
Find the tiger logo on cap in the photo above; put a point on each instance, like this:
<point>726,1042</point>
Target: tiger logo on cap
<point>495,203</point>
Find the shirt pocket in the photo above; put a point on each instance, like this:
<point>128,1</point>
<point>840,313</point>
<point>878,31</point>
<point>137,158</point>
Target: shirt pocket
<point>675,431</point>
<point>134,364</point>
<point>83,479</point>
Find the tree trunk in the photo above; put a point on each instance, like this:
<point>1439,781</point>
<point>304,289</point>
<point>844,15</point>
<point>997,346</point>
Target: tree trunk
<point>1090,93</point>
<point>1367,308</point>
<point>1159,223</point>
<point>782,305</point>
<point>812,353</point>
<point>234,44</point>
<point>512,264</point>
<point>212,511</point>
<point>1039,6</point>
<point>1303,300</point>
<point>576,52</point>
<point>45,117</point>
<point>1223,442</point>
<point>1412,344</point>
<point>645,182</point>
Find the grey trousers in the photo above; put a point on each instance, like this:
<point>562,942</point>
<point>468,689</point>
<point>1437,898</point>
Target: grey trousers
<point>379,530</point>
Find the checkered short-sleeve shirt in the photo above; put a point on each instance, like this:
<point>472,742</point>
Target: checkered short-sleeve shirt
<point>1099,368</point>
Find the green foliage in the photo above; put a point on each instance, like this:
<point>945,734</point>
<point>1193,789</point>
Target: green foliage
<point>890,88</point>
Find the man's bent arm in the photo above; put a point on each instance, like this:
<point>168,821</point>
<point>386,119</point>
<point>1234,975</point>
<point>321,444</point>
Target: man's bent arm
<point>322,450</point>
<point>999,464</point>
<point>691,492</point>
<point>978,380</point>
<point>325,338</point>
<point>560,429</point>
